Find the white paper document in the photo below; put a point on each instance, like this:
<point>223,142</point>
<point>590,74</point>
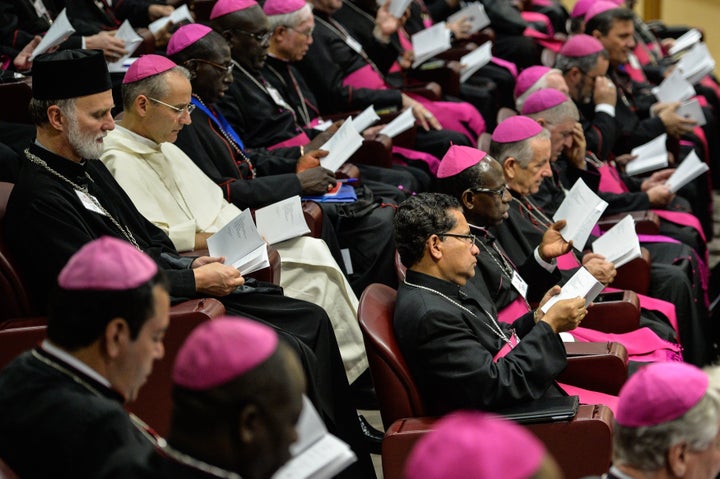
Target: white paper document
<point>688,39</point>
<point>281,221</point>
<point>475,60</point>
<point>323,125</point>
<point>620,244</point>
<point>317,454</point>
<point>581,208</point>
<point>58,33</point>
<point>475,12</point>
<point>674,88</point>
<point>365,119</point>
<point>132,40</point>
<point>651,156</point>
<point>341,146</point>
<point>689,169</point>
<point>691,109</point>
<point>696,63</point>
<point>403,122</point>
<point>178,15</point>
<point>582,284</point>
<point>430,42</point>
<point>241,245</point>
<point>397,7</point>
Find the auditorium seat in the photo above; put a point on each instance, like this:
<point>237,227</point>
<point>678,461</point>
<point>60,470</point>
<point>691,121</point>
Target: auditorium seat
<point>581,446</point>
<point>14,300</point>
<point>14,98</point>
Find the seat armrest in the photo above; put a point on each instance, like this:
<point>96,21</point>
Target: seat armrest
<point>446,77</point>
<point>212,308</point>
<point>313,217</point>
<point>374,153</point>
<point>635,275</point>
<point>597,366</point>
<point>614,313</point>
<point>646,222</point>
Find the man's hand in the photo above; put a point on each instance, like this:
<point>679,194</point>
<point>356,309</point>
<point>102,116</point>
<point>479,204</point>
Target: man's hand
<point>576,152</point>
<point>603,270</point>
<point>460,28</point>
<point>406,59</point>
<point>162,36</point>
<point>316,181</point>
<point>553,244</point>
<point>372,132</point>
<point>554,291</point>
<point>203,260</point>
<point>323,137</point>
<point>22,60</point>
<point>156,11</point>
<point>675,125</point>
<point>622,160</point>
<point>217,279</point>
<point>113,48</point>
<point>604,91</point>
<point>201,240</point>
<point>385,24</point>
<point>660,196</point>
<point>309,160</point>
<point>566,314</point>
<point>421,114</point>
<point>657,178</point>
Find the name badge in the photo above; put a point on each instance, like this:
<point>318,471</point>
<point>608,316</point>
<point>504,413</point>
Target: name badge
<point>354,44</point>
<point>40,9</point>
<point>277,98</point>
<point>634,62</point>
<point>90,202</point>
<point>519,284</point>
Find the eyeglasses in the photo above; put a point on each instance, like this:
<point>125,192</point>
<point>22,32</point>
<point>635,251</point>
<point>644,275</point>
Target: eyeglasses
<point>307,33</point>
<point>189,108</point>
<point>500,191</point>
<point>227,69</point>
<point>258,37</point>
<point>469,239</point>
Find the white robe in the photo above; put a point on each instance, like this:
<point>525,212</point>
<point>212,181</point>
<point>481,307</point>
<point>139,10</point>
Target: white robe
<point>174,194</point>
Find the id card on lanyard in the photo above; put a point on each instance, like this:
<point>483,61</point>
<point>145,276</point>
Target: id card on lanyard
<point>505,350</point>
<point>519,284</point>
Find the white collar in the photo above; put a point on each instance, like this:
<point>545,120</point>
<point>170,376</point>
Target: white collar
<point>71,360</point>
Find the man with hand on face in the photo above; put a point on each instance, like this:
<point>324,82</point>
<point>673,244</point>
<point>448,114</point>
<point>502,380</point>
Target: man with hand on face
<point>62,403</point>
<point>237,395</point>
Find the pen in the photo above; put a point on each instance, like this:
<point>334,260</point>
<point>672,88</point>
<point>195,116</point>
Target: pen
<point>347,180</point>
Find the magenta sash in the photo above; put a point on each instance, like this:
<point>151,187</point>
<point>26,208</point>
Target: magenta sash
<point>457,116</point>
<point>432,162</point>
<point>505,350</point>
<point>365,77</point>
<point>568,261</point>
<point>610,181</point>
<point>301,139</point>
<point>509,66</point>
<point>513,311</point>
<point>544,40</point>
<point>542,3</point>
<point>666,308</point>
<point>590,397</point>
<point>681,218</point>
<point>540,18</point>
<point>642,344</point>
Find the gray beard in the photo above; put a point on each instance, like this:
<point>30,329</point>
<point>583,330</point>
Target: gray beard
<point>84,144</point>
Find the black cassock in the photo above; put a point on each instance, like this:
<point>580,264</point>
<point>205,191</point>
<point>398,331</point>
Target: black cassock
<point>52,425</point>
<point>46,223</point>
<point>450,352</point>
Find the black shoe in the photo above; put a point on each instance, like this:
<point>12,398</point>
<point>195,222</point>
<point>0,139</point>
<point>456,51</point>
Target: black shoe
<point>373,437</point>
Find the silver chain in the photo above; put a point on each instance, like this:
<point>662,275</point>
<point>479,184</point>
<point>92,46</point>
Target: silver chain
<point>542,219</point>
<point>124,230</point>
<point>493,325</point>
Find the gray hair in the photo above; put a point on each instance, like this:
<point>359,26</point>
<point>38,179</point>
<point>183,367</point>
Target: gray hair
<point>292,19</point>
<point>155,86</point>
<point>541,83</point>
<point>557,114</point>
<point>646,448</point>
<point>38,109</point>
<point>584,64</point>
<point>520,150</point>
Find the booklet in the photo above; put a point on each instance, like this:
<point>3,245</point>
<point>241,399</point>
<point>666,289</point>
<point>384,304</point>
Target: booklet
<point>282,220</point>
<point>685,41</point>
<point>581,208</point>
<point>692,109</point>
<point>475,12</point>
<point>403,122</point>
<point>689,169</point>
<point>696,63</point>
<point>365,119</point>
<point>582,284</point>
<point>651,156</point>
<point>317,454</point>
<point>674,88</point>
<point>397,7</point>
<point>345,194</point>
<point>475,60</point>
<point>561,408</point>
<point>620,244</point>
<point>59,31</point>
<point>241,245</point>
<point>180,14</point>
<point>132,40</point>
<point>341,146</point>
<point>430,42</point>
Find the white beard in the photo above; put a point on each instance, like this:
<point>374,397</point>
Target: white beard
<point>84,144</point>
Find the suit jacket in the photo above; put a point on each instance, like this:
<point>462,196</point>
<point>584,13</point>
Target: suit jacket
<point>450,352</point>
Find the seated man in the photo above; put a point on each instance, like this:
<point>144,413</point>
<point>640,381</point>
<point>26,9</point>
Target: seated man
<point>237,396</point>
<point>667,424</point>
<point>61,404</point>
<point>64,198</point>
<point>457,352</point>
<point>470,444</point>
<point>174,194</point>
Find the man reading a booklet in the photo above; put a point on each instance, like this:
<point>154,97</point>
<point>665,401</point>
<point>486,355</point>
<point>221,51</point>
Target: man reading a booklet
<point>458,353</point>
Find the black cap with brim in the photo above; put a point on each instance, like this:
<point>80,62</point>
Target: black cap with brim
<point>69,74</point>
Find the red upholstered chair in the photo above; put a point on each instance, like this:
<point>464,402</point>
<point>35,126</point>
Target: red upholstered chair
<point>6,472</point>
<point>14,98</point>
<point>20,335</point>
<point>581,446</point>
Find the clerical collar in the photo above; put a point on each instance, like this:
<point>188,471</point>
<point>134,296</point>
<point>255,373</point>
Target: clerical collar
<point>45,148</point>
<point>74,362</point>
<point>139,138</point>
<point>446,287</point>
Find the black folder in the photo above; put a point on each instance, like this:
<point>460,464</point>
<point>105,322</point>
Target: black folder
<point>560,408</point>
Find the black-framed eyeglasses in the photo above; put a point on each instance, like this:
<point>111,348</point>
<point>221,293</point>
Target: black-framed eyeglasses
<point>258,37</point>
<point>189,108</point>
<point>469,238</point>
<point>307,33</point>
<point>227,69</point>
<point>499,191</point>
